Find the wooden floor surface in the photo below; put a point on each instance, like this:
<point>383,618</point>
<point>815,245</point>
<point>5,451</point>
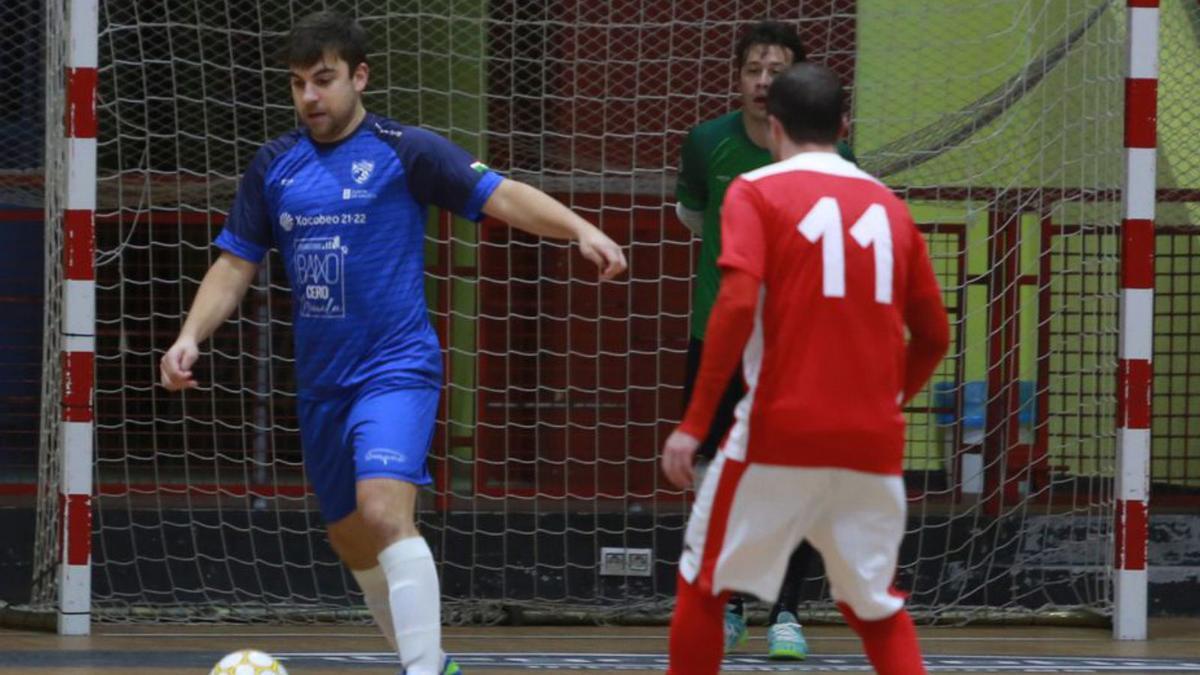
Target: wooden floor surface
<point>137,650</point>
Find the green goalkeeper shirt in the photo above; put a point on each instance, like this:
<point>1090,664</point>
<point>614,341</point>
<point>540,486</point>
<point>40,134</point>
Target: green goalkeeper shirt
<point>716,152</point>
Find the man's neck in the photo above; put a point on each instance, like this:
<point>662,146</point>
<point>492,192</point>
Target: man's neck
<point>789,148</point>
<point>758,130</point>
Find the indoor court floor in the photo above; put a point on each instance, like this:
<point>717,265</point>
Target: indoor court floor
<point>1174,647</point>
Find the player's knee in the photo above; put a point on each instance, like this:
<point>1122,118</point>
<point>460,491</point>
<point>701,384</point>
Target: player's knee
<point>386,509</point>
<point>385,522</point>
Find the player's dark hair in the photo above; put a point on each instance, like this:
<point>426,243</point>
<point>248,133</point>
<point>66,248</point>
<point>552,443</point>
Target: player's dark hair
<point>808,99</point>
<point>770,33</point>
<point>319,32</point>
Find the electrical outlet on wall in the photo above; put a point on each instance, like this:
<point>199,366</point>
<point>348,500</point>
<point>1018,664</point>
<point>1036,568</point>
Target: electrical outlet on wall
<point>626,562</point>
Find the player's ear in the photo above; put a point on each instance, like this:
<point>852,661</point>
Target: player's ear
<point>844,129</point>
<point>360,75</point>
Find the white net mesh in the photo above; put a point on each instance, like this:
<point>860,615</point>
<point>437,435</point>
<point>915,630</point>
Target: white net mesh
<point>21,120</point>
<point>999,121</point>
<point>1175,432</point>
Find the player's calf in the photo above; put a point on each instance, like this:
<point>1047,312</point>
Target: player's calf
<point>353,542</point>
<point>415,601</point>
<point>891,643</point>
<point>696,645</point>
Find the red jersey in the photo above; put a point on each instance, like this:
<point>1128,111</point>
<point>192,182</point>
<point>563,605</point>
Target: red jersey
<point>840,259</point>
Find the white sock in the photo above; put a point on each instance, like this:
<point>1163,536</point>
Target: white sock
<point>415,600</point>
<point>374,586</point>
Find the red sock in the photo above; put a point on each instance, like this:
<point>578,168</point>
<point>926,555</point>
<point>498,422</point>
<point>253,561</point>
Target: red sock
<point>697,631</point>
<point>891,643</point>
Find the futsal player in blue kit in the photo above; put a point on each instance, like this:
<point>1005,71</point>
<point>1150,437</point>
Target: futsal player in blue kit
<point>344,199</point>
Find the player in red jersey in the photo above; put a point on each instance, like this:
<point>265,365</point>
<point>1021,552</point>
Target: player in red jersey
<point>823,272</point>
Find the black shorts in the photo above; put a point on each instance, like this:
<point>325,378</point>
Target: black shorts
<point>723,420</point>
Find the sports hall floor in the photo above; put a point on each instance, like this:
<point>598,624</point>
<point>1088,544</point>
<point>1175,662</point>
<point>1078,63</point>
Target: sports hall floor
<point>1174,647</point>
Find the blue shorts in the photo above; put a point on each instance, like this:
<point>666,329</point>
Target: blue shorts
<point>383,433</point>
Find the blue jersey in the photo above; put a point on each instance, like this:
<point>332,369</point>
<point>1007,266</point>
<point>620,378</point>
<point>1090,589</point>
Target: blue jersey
<point>348,219</point>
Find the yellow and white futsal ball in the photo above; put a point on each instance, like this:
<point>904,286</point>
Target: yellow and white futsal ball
<point>248,662</point>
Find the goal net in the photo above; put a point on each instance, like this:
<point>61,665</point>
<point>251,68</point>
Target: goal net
<point>999,121</point>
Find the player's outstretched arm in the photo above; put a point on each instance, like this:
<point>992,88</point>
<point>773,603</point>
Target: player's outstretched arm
<point>220,292</point>
<point>528,208</point>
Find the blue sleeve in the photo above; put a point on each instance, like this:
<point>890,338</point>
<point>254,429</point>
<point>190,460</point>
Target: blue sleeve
<point>443,174</point>
<point>247,232</point>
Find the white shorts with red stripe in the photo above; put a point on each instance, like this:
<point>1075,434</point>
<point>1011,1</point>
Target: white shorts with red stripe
<point>748,518</point>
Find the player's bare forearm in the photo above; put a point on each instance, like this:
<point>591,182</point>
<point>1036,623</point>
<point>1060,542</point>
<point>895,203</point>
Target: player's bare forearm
<point>930,331</point>
<point>220,292</point>
<point>528,208</point>
<point>729,327</point>
<point>222,289</point>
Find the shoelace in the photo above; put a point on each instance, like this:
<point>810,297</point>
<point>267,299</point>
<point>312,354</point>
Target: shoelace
<point>784,630</point>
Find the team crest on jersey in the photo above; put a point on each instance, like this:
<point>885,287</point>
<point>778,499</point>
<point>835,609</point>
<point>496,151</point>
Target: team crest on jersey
<point>361,170</point>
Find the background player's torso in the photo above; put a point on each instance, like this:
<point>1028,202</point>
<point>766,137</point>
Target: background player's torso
<point>727,153</point>
<point>352,241</point>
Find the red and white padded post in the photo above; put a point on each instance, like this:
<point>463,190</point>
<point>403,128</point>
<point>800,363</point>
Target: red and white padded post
<point>1136,323</point>
<point>79,324</point>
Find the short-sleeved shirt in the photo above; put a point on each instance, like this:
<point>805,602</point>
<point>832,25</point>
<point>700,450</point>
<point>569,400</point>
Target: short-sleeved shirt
<point>348,219</point>
<point>840,260</point>
<point>715,153</point>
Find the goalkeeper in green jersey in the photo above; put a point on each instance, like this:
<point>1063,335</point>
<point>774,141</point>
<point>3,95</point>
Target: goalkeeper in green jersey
<point>715,153</point>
